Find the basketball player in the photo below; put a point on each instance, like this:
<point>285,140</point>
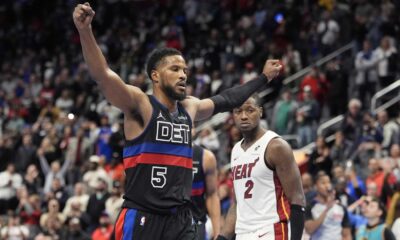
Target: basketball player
<point>158,150</point>
<point>205,191</point>
<point>266,180</point>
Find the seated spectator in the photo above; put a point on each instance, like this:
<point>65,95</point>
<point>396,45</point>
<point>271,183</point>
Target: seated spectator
<point>52,228</point>
<point>53,217</point>
<point>79,196</point>
<point>284,115</point>
<point>384,180</point>
<point>104,231</point>
<point>114,202</point>
<point>74,231</point>
<point>30,211</point>
<point>10,182</point>
<point>58,192</point>
<point>319,159</point>
<point>374,211</point>
<point>307,116</point>
<point>352,122</point>
<point>97,203</point>
<point>14,229</point>
<point>32,180</point>
<point>325,218</point>
<point>341,149</point>
<point>76,212</point>
<point>96,171</point>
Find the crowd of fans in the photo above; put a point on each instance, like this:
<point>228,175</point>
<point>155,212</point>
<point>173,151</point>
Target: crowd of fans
<point>60,141</point>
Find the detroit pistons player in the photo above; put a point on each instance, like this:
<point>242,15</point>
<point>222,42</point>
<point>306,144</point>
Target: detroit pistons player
<point>158,150</point>
<point>267,183</point>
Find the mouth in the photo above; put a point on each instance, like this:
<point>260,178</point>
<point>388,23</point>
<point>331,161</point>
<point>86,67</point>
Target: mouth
<point>181,85</point>
<point>244,124</point>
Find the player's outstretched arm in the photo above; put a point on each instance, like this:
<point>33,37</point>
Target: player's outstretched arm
<point>236,96</point>
<point>212,198</point>
<point>114,89</point>
<point>279,154</point>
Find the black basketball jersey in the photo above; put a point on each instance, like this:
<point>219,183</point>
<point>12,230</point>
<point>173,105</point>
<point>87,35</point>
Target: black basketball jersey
<point>158,163</point>
<point>198,187</point>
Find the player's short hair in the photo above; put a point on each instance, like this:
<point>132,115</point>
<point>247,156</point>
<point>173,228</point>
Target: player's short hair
<point>157,55</point>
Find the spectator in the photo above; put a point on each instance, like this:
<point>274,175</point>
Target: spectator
<point>32,180</point>
<point>386,54</point>
<point>383,180</point>
<point>315,82</point>
<point>114,202</point>
<point>25,155</point>
<point>389,129</point>
<point>65,101</point>
<point>337,76</point>
<point>374,211</point>
<point>291,60</point>
<point>10,182</point>
<point>74,231</point>
<point>367,76</point>
<point>14,230</point>
<point>355,185</point>
<point>30,211</point>
<point>341,149</point>
<point>308,187</point>
<point>326,219</point>
<point>75,211</point>
<point>306,117</point>
<point>329,31</point>
<point>53,219</point>
<point>104,134</point>
<point>95,172</point>
<point>79,196</point>
<point>58,192</point>
<point>352,122</point>
<point>97,203</point>
<point>319,159</point>
<point>249,73</point>
<point>283,120</point>
<point>104,231</point>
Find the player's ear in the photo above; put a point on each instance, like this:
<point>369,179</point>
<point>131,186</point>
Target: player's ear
<point>155,76</point>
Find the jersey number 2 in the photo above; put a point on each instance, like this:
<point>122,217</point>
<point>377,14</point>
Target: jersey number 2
<point>158,179</point>
<point>249,185</point>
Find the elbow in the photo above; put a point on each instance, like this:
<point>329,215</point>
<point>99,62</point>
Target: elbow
<point>299,199</point>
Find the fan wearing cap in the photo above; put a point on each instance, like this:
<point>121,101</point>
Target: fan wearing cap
<point>95,172</point>
<point>104,231</point>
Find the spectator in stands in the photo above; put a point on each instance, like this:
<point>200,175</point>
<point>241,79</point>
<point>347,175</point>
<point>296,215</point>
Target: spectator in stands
<point>97,203</point>
<point>341,149</point>
<point>65,101</point>
<point>375,212</point>
<point>384,180</point>
<point>32,180</point>
<point>329,31</point>
<point>355,185</point>
<point>30,211</point>
<point>75,211</point>
<point>95,172</point>
<point>25,155</point>
<point>74,231</point>
<point>14,230</point>
<point>291,60</point>
<point>367,76</point>
<point>114,202</point>
<point>308,187</point>
<point>249,73</point>
<point>386,54</point>
<point>352,122</point>
<point>104,231</point>
<point>319,159</point>
<point>307,116</point>
<point>79,196</point>
<point>10,182</point>
<point>338,78</point>
<point>104,134</point>
<point>53,218</point>
<point>325,218</point>
<point>388,128</point>
<point>58,192</point>
<point>284,115</point>
<point>315,82</point>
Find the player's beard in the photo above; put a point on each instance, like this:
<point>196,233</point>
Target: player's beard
<point>170,92</point>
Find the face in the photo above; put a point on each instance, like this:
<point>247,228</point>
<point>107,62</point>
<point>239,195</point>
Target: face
<point>372,190</point>
<point>247,117</point>
<point>338,172</point>
<point>171,75</point>
<point>324,186</point>
<point>307,182</point>
<point>373,166</point>
<point>370,208</point>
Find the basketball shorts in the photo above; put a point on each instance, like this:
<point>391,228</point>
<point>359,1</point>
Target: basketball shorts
<point>138,225</point>
<point>278,231</point>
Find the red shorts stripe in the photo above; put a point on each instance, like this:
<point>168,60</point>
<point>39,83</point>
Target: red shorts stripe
<point>120,224</point>
<point>282,204</point>
<point>281,231</point>
<point>158,159</point>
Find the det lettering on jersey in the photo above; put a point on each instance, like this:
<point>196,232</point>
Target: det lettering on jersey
<point>244,170</point>
<point>172,132</point>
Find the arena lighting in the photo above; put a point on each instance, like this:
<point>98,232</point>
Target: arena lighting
<point>71,116</point>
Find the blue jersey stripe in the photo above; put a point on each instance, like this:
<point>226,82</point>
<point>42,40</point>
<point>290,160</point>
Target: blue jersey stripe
<point>160,148</point>
<point>197,185</point>
<point>129,224</point>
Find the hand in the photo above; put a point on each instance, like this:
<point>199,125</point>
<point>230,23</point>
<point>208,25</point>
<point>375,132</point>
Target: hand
<point>331,200</point>
<point>272,68</point>
<point>83,15</point>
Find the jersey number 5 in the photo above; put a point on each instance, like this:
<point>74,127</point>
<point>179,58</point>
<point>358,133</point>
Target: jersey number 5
<point>249,185</point>
<point>158,179</point>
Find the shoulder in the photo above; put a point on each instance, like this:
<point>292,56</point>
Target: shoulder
<point>209,160</point>
<point>278,145</point>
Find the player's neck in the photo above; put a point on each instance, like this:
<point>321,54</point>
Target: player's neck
<point>168,102</point>
<point>253,135</point>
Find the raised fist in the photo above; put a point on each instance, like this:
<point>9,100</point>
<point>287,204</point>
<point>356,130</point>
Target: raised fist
<point>83,15</point>
<point>272,68</point>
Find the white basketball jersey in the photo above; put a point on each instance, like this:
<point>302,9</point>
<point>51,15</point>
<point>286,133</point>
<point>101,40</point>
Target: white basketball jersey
<point>259,194</point>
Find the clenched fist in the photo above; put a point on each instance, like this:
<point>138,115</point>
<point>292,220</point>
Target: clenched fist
<point>272,69</point>
<point>83,15</point>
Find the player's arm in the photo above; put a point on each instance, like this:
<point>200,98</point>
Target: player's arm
<point>236,96</point>
<point>121,95</point>
<point>280,156</point>
<point>212,198</point>
<point>228,230</point>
